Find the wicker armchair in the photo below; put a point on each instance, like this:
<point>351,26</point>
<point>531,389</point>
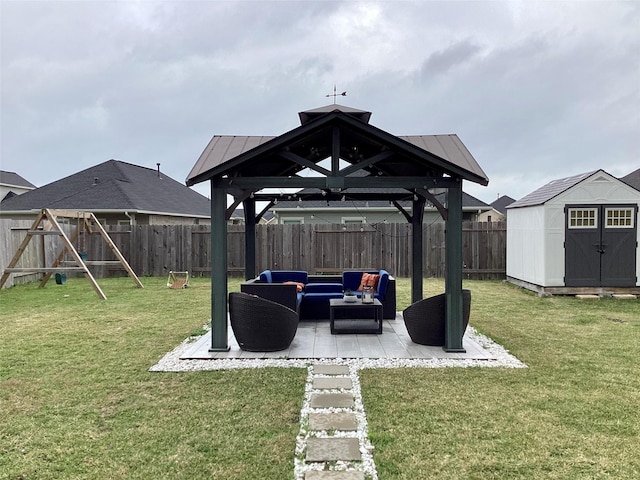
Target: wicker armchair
<point>261,325</point>
<point>426,319</point>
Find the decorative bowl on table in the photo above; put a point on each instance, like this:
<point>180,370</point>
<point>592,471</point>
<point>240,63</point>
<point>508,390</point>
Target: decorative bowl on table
<point>350,298</point>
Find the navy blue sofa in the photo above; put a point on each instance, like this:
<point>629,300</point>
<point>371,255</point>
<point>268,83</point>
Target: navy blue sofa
<point>309,294</point>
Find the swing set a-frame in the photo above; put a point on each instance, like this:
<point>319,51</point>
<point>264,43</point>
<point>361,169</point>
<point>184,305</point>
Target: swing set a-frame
<point>46,223</point>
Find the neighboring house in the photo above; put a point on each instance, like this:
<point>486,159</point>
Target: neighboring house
<point>576,235</point>
<point>363,211</point>
<point>237,218</point>
<point>498,212</point>
<point>12,184</point>
<point>117,193</point>
<point>633,179</point>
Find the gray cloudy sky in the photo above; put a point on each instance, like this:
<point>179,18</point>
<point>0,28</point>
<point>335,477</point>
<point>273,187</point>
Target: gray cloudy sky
<point>536,90</point>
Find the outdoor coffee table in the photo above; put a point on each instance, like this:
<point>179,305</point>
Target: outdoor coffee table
<point>355,317</point>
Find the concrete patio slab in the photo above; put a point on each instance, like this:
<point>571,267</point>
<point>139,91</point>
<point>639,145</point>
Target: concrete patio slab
<point>314,340</point>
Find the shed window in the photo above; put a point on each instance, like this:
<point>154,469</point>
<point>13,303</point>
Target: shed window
<point>293,221</point>
<point>583,218</point>
<point>619,217</point>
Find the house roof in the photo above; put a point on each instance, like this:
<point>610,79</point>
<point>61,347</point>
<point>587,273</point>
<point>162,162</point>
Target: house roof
<point>13,179</point>
<point>114,186</point>
<point>632,179</point>
<point>379,152</point>
<point>501,203</point>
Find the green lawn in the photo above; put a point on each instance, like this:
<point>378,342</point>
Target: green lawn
<point>77,400</point>
<point>573,414</point>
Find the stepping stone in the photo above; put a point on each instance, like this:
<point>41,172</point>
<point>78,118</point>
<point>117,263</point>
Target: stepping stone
<point>333,421</point>
<point>331,383</point>
<point>325,475</point>
<point>587,297</point>
<point>331,400</point>
<point>332,449</point>
<point>331,369</point>
<point>624,296</point>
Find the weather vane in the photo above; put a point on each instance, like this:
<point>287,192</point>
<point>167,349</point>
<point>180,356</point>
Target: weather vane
<point>336,94</point>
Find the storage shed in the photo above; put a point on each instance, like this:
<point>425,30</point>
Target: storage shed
<point>576,235</point>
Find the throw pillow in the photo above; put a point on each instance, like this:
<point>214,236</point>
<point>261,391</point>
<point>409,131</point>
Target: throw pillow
<point>299,286</point>
<point>369,280</point>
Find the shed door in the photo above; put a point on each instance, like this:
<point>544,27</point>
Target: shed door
<point>600,245</point>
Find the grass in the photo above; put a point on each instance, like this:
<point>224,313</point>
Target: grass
<point>573,414</point>
<point>77,399</point>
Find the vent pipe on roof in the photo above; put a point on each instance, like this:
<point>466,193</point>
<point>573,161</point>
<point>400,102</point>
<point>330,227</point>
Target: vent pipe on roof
<point>95,181</point>
<point>158,169</point>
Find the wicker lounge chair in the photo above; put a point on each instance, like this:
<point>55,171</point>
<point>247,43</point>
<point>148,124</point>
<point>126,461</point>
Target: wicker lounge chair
<point>261,325</point>
<point>425,320</point>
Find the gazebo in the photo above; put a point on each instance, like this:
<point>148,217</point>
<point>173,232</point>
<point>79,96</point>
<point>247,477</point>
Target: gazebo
<point>348,157</point>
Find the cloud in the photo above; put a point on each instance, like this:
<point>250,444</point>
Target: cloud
<point>534,89</point>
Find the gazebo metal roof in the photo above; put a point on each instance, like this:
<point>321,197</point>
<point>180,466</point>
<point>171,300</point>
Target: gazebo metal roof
<point>344,153</point>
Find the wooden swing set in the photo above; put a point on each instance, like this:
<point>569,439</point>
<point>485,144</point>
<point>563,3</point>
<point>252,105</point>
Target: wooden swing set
<point>46,223</point>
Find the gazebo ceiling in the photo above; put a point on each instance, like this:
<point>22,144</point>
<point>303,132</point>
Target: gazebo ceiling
<point>336,132</point>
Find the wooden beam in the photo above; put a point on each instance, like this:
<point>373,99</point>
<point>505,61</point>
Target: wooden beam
<point>116,252</point>
<point>367,162</point>
<point>417,270</point>
<point>294,181</point>
<point>249,238</point>
<point>219,341</point>
<point>44,269</point>
<point>292,157</point>
<point>43,232</point>
<point>76,256</point>
<point>453,275</point>
<point>335,150</point>
<point>21,249</point>
<point>68,213</point>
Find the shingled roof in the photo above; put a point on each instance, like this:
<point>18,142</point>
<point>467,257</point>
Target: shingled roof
<point>632,179</point>
<point>13,179</point>
<point>115,186</point>
<point>501,203</point>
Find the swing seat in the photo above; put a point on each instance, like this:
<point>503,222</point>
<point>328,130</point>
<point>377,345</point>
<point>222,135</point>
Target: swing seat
<point>178,280</point>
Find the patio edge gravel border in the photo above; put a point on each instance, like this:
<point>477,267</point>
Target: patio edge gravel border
<point>171,362</point>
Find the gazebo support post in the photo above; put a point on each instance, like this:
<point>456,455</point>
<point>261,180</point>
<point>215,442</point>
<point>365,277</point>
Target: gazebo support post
<point>453,280</point>
<point>417,273</point>
<point>249,206</point>
<point>218,269</point>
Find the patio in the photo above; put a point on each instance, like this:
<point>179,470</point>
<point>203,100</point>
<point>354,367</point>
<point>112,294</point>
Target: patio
<point>313,340</point>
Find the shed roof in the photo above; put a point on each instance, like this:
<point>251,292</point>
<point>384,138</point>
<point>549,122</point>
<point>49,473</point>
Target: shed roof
<point>550,190</point>
<point>118,186</point>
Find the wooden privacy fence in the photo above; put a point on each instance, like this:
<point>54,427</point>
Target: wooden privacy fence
<point>154,250</point>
